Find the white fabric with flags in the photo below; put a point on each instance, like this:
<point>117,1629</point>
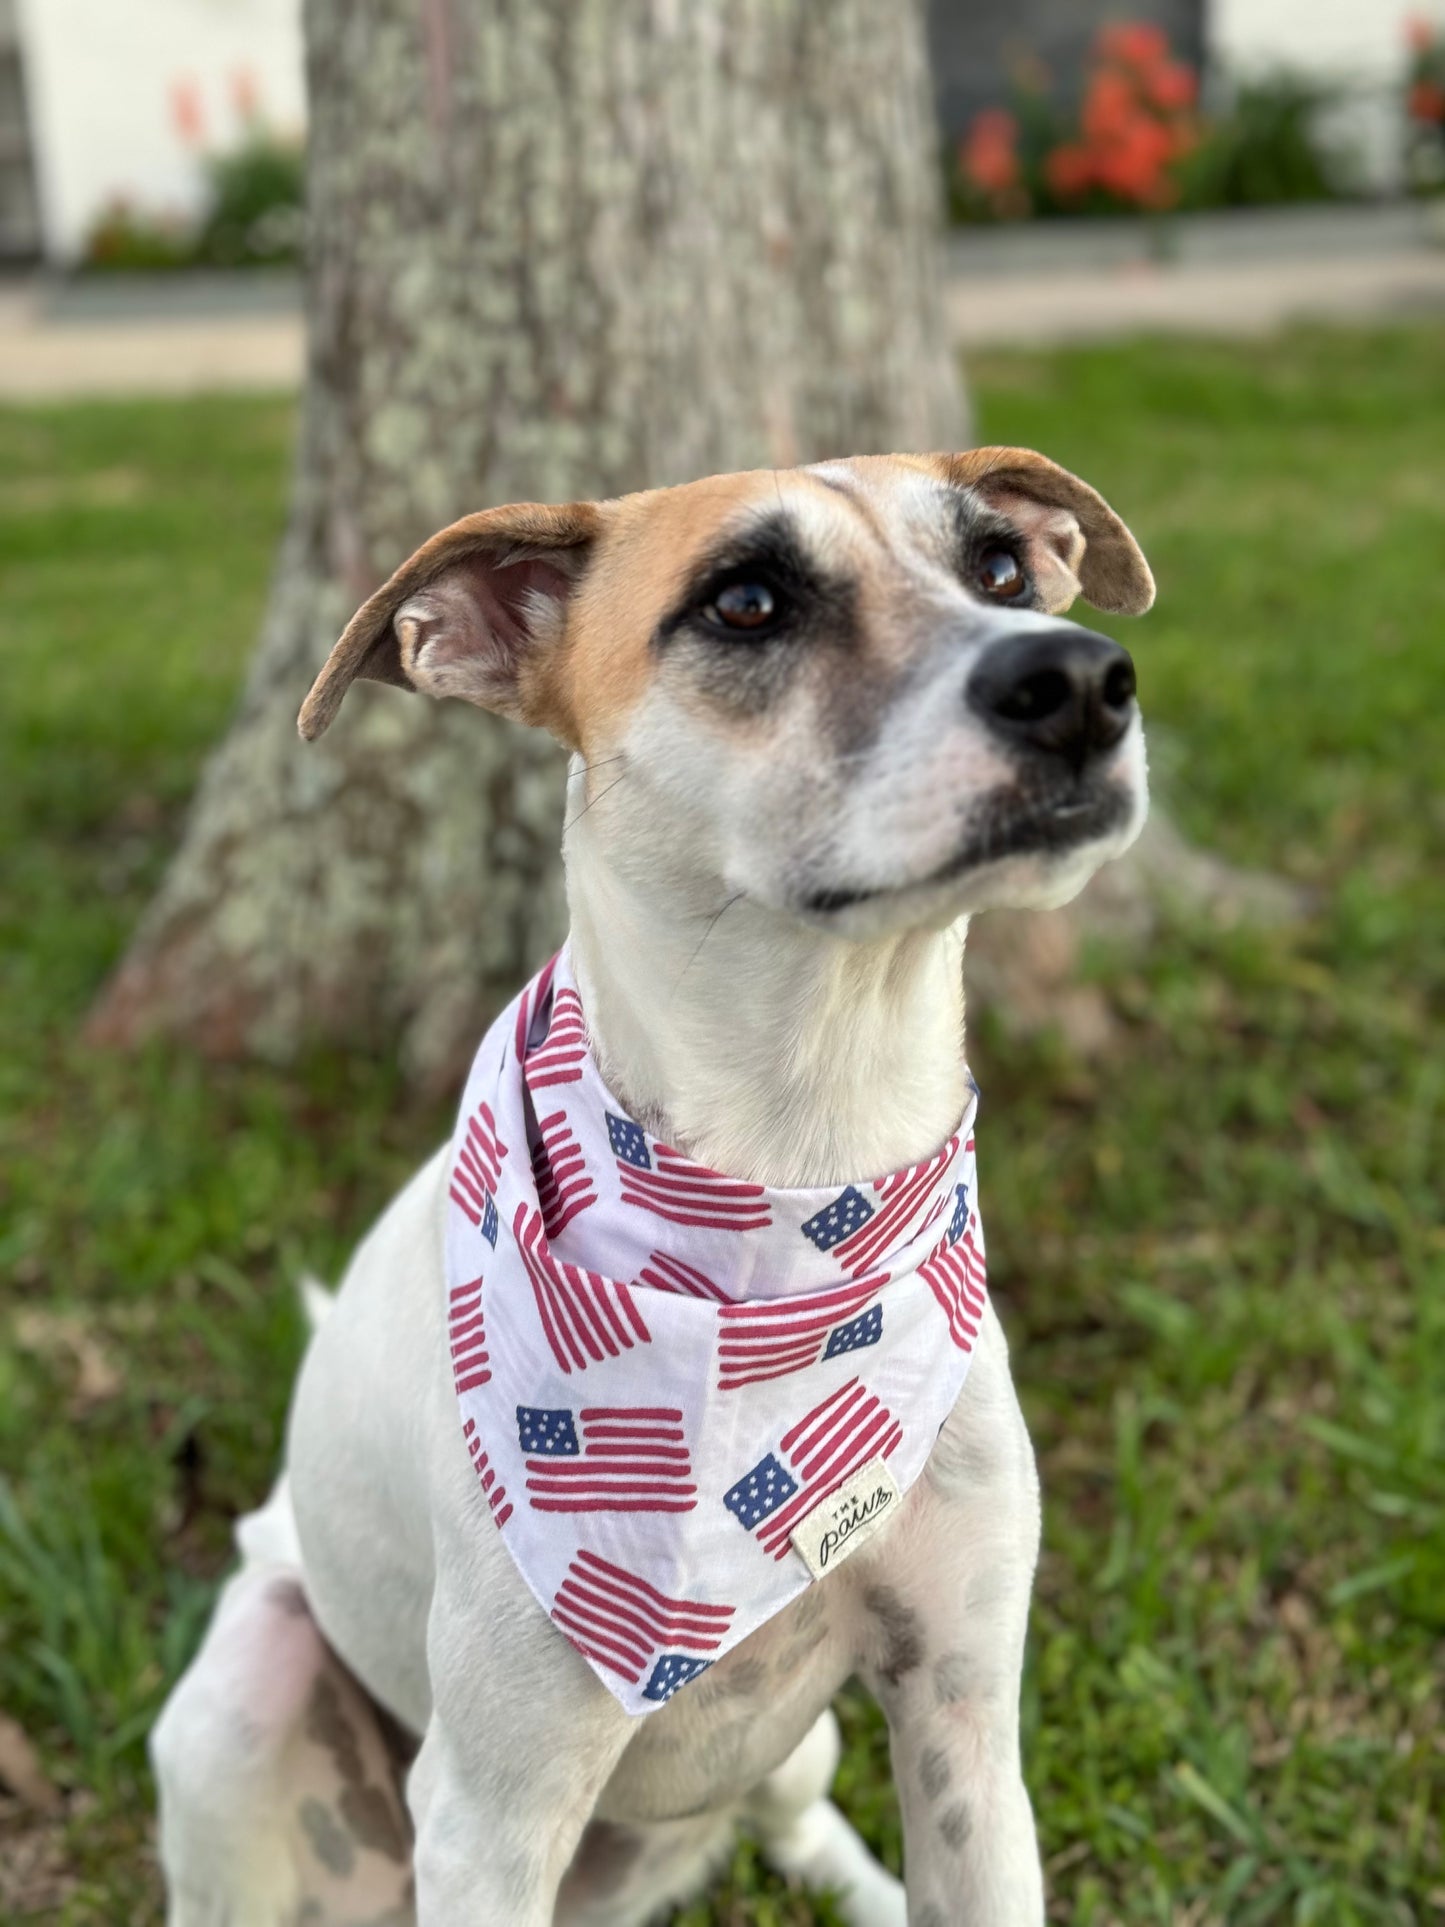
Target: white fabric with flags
<point>684,1394</point>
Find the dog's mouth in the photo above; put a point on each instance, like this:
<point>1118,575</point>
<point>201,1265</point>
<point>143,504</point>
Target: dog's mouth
<point>1016,824</point>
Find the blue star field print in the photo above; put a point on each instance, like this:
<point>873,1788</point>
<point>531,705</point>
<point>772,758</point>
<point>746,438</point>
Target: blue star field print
<point>489,1221</point>
<point>759,1492</point>
<point>628,1142</point>
<point>546,1434</point>
<point>958,1224</point>
<point>865,1329</point>
<point>670,1672</point>
<point>838,1220</point>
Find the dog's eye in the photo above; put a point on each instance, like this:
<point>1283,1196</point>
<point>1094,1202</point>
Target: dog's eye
<point>1000,573</point>
<point>750,606</point>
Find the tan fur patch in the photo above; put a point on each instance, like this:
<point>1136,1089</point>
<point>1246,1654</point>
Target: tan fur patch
<point>589,663</point>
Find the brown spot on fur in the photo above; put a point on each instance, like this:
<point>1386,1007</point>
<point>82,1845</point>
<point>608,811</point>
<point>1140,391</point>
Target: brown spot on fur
<point>327,1724</point>
<point>328,1841</point>
<point>287,1597</point>
<point>955,1825</point>
<point>375,1822</point>
<point>935,1772</point>
<point>902,1633</point>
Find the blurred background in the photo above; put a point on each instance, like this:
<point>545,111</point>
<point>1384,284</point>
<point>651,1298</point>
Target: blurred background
<point>277,298</point>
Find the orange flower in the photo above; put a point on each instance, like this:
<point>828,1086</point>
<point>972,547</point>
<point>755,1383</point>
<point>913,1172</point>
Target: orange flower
<point>1069,171</point>
<point>1133,164</point>
<point>1109,105</point>
<point>187,114</point>
<point>1136,43</point>
<point>989,155</point>
<point>1172,86</point>
<point>1426,101</point>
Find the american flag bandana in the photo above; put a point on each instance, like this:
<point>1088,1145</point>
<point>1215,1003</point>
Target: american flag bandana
<point>685,1396</point>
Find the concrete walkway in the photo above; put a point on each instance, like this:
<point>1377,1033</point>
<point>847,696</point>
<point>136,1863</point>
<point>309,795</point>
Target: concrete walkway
<point>183,335</point>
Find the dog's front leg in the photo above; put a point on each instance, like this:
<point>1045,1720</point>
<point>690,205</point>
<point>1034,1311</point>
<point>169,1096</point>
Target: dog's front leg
<point>949,1602</point>
<point>522,1739</point>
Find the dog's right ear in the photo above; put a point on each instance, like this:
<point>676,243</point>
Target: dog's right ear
<point>475,613</point>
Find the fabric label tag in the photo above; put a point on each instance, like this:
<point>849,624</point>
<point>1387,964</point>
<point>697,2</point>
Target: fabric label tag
<point>847,1518</point>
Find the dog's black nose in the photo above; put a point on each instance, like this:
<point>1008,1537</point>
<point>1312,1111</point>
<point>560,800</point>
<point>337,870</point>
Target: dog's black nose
<point>1066,691</point>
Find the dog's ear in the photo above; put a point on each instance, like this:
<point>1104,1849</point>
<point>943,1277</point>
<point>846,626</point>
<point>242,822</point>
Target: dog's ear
<point>1077,544</point>
<point>474,613</point>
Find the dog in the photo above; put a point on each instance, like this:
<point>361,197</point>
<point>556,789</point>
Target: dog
<point>817,719</point>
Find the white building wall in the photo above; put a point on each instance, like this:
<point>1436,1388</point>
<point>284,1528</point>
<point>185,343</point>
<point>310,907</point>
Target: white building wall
<point>100,77</point>
<point>1361,44</point>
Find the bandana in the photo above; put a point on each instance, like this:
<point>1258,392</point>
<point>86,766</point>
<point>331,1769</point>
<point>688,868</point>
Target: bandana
<point>686,1397</point>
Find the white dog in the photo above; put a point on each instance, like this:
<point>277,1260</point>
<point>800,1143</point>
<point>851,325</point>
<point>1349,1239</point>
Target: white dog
<point>817,719</point>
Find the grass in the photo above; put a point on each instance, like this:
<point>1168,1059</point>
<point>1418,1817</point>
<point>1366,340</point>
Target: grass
<point>1220,1253</point>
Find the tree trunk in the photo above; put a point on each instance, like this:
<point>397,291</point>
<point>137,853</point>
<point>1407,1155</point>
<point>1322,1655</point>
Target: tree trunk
<point>559,248</point>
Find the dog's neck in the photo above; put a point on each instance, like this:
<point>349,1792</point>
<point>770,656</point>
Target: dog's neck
<point>765,1050</point>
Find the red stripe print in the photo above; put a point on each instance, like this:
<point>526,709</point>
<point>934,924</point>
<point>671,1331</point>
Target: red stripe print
<point>688,1193</point>
<point>558,1058</point>
<point>585,1316</point>
<point>955,1275</point>
<point>564,1184</point>
<point>496,1492</point>
<point>632,1459</point>
<point>782,1335</point>
<point>901,1196</point>
<point>671,1274</point>
<point>528,1005</point>
<point>470,1364</point>
<point>617,1619</point>
<point>479,1164</point>
<point>824,1449</point>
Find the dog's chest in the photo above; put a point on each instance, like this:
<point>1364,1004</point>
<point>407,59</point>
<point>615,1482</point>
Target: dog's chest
<point>716,1741</point>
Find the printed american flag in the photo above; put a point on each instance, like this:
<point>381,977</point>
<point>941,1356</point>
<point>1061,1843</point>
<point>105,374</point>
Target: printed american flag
<point>860,1231</point>
<point>663,1273</point>
<point>471,1365</point>
<point>617,1619</point>
<point>771,1338</point>
<point>671,1186</point>
<point>825,1448</point>
<point>956,1276</point>
<point>477,1169</point>
<point>496,1492</point>
<point>558,1058</point>
<point>564,1184</point>
<point>585,1316</point>
<point>606,1458</point>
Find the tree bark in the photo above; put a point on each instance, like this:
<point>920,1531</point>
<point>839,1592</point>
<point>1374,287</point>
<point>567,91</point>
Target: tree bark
<point>560,248</point>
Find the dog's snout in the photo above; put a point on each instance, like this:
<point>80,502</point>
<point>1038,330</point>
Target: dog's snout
<point>1066,691</point>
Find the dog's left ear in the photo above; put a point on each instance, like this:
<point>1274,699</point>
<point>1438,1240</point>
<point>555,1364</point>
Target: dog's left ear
<point>1077,544</point>
<point>475,613</point>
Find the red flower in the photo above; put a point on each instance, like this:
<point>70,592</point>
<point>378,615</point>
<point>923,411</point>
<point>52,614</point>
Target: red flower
<point>989,155</point>
<point>1426,101</point>
<point>1172,86</point>
<point>1133,164</point>
<point>1420,33</point>
<point>1136,43</point>
<point>1109,106</point>
<point>187,114</point>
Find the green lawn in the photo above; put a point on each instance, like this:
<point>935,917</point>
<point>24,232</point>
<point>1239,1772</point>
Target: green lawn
<point>1219,1254</point>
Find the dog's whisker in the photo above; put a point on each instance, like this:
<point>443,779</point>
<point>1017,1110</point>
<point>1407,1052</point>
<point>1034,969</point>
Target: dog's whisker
<point>713,921</point>
<point>566,827</point>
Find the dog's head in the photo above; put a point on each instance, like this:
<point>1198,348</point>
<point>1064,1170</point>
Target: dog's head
<point>844,691</point>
